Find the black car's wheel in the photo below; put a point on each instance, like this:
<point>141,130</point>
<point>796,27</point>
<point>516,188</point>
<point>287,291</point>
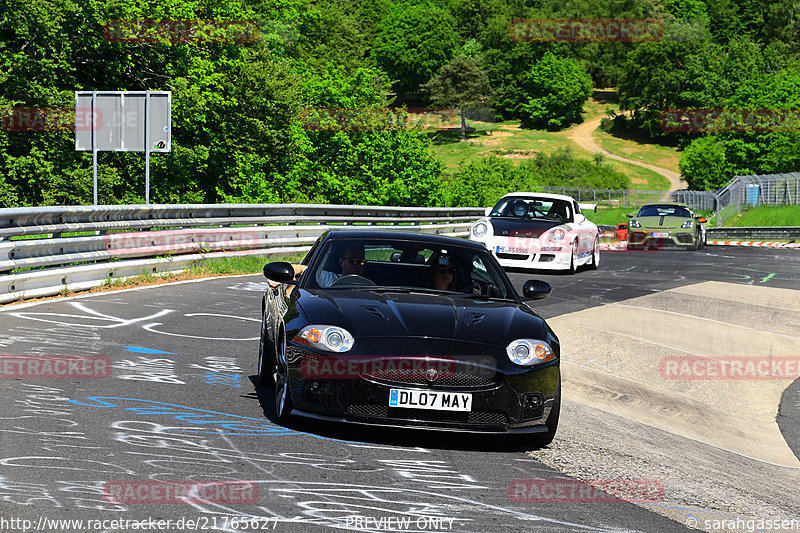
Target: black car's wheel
<point>541,440</point>
<point>573,260</point>
<point>283,397</point>
<point>595,262</point>
<point>266,359</point>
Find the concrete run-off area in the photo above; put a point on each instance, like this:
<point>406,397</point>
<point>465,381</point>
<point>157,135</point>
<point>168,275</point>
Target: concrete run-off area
<point>712,420</point>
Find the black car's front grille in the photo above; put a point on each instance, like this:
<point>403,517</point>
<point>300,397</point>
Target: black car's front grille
<point>472,418</point>
<point>516,257</point>
<point>462,377</point>
<point>370,410</point>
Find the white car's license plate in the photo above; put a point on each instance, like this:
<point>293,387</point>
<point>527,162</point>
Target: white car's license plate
<point>510,250</point>
<point>440,401</point>
<point>660,234</point>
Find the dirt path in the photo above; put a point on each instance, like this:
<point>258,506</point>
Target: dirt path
<point>582,136</point>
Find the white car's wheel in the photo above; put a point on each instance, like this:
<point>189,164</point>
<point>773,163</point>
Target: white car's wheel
<point>573,260</point>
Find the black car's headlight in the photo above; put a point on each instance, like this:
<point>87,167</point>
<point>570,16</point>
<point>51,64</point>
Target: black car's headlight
<point>687,224</point>
<point>528,352</point>
<point>480,229</point>
<point>635,223</point>
<point>328,338</point>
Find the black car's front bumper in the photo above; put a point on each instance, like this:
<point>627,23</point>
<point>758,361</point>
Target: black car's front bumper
<point>509,399</point>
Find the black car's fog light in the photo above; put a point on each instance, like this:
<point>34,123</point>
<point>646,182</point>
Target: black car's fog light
<point>532,401</point>
<point>532,406</point>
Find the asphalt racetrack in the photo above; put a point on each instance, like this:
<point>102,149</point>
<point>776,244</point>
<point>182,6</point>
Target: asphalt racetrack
<point>181,405</point>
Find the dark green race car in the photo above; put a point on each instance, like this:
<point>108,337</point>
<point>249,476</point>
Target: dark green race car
<point>663,224</point>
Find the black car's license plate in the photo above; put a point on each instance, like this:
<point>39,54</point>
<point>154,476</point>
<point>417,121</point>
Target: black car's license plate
<point>440,401</point>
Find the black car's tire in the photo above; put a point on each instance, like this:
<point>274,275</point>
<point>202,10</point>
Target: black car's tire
<point>595,262</point>
<point>283,396</point>
<point>572,262</point>
<point>266,357</point>
<point>540,440</point>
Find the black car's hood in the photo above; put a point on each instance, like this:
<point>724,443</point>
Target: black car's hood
<point>399,314</point>
<point>522,227</point>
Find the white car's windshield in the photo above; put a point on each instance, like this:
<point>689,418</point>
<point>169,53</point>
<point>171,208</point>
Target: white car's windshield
<point>533,207</point>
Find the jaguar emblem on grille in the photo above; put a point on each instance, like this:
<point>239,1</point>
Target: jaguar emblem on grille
<point>431,374</point>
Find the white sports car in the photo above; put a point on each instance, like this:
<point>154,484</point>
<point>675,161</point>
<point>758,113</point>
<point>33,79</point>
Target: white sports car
<point>539,231</point>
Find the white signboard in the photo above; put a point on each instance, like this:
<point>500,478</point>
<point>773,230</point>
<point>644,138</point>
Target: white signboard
<point>123,121</point>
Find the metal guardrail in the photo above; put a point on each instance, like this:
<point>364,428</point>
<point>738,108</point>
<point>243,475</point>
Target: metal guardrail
<point>177,237</point>
<point>757,233</point>
<point>611,197</point>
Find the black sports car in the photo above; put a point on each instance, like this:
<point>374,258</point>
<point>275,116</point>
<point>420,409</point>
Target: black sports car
<point>409,330</point>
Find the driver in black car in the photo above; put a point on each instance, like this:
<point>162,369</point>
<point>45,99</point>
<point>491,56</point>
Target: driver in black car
<point>351,260</point>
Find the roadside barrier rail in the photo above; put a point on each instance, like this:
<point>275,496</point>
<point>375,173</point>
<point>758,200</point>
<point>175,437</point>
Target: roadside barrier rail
<point>124,241</point>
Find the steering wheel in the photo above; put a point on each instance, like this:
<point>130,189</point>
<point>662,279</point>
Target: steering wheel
<point>352,280</point>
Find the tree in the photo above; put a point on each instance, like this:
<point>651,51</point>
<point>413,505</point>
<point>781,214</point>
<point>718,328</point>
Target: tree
<point>554,92</point>
<point>461,84</point>
<point>415,40</point>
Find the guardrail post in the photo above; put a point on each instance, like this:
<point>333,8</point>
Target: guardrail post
<point>6,264</point>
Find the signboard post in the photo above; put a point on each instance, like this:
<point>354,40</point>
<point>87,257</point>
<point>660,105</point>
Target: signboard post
<point>124,121</point>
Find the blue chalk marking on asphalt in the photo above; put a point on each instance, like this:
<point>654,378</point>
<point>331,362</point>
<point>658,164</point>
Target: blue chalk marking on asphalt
<point>227,379</point>
<point>230,424</point>
<point>136,349</point>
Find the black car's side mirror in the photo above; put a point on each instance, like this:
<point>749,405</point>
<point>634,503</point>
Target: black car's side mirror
<point>279,271</point>
<point>536,289</point>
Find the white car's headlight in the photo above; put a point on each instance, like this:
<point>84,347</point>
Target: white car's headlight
<point>480,229</point>
<point>528,352</point>
<point>557,235</point>
<point>328,338</point>
<point>635,223</point>
<point>687,224</point>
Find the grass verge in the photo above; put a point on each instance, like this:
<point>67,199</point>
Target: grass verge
<point>787,215</point>
<point>211,267</point>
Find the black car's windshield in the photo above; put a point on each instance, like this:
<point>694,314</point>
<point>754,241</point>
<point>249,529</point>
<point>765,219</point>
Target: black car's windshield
<point>663,211</point>
<point>533,207</point>
<point>393,265</point>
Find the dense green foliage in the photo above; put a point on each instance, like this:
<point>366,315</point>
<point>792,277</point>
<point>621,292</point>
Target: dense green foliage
<point>483,182</point>
<point>238,129</point>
